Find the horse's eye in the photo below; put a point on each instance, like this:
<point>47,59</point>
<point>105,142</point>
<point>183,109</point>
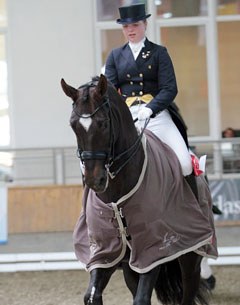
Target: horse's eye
<point>74,104</point>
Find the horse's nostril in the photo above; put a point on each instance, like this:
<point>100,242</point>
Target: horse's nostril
<point>98,184</point>
<point>102,180</point>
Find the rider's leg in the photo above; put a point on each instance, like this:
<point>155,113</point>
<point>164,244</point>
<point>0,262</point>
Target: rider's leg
<point>191,180</point>
<point>164,127</point>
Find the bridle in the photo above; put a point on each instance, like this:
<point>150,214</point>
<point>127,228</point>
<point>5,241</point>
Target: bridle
<point>92,155</point>
<point>109,155</point>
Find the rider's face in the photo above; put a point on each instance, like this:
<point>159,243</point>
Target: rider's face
<point>135,32</point>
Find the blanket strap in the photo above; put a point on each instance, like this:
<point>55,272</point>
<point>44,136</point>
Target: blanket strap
<point>121,221</point>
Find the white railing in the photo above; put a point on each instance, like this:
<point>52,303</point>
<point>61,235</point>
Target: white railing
<point>40,166</point>
<point>67,260</point>
<point>60,165</point>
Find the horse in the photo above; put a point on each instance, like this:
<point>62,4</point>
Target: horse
<point>116,159</point>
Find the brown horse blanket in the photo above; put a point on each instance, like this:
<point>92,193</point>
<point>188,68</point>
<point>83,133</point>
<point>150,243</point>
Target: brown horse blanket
<point>163,219</point>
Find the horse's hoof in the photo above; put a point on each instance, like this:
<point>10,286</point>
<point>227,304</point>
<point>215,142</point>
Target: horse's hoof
<point>216,210</point>
<point>211,282</point>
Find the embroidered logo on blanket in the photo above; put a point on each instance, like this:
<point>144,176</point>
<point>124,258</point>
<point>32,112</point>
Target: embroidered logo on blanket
<point>169,239</point>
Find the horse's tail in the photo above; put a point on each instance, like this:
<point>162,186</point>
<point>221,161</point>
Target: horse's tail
<point>169,288</point>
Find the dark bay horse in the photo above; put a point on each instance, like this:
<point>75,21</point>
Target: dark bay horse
<point>113,155</point>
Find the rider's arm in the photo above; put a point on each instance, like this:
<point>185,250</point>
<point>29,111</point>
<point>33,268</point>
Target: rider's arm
<point>111,71</point>
<point>166,82</point>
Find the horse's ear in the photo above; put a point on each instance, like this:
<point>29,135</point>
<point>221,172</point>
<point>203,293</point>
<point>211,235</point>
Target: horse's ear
<point>102,85</point>
<point>69,91</point>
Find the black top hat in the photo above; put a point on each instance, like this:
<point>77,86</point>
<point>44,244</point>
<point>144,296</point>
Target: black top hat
<point>132,13</point>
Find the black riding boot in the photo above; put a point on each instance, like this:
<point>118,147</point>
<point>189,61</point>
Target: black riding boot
<point>191,180</point>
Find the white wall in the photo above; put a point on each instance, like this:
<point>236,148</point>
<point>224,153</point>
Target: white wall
<point>47,40</point>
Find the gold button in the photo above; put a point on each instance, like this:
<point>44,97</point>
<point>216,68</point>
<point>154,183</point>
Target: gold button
<point>149,67</point>
<point>128,75</point>
<point>141,75</point>
<point>140,93</point>
<point>141,84</point>
<point>133,93</point>
<point>131,83</point>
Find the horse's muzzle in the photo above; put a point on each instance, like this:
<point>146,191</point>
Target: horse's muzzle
<point>97,180</point>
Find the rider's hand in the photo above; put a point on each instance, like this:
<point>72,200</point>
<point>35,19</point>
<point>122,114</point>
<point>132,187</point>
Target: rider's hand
<point>144,114</point>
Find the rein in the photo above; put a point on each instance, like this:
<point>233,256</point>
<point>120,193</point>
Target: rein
<point>110,155</point>
<point>133,150</point>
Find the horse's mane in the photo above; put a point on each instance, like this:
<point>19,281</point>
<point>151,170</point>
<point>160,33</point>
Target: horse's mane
<point>111,88</point>
<point>114,96</point>
<point>96,78</point>
<point>85,87</point>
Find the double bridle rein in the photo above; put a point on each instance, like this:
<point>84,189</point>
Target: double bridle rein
<point>109,155</point>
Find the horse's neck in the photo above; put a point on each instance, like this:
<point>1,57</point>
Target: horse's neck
<point>128,176</point>
<point>126,135</point>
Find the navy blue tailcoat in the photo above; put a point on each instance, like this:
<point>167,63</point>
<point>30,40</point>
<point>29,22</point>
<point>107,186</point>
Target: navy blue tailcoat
<point>151,73</point>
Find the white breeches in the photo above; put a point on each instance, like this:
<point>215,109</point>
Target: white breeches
<point>164,128</point>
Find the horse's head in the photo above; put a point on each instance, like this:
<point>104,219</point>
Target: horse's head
<point>91,122</point>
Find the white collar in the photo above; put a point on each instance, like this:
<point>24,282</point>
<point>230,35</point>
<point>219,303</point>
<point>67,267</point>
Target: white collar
<point>136,47</point>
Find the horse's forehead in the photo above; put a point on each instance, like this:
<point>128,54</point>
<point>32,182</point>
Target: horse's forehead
<point>85,121</point>
<point>85,105</point>
<point>87,96</point>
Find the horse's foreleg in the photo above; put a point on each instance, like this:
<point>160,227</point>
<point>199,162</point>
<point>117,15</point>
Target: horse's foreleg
<point>145,287</point>
<point>190,269</point>
<point>131,278</point>
<point>99,279</point>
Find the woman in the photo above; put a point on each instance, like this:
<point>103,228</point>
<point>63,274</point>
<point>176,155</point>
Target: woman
<point>144,75</point>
